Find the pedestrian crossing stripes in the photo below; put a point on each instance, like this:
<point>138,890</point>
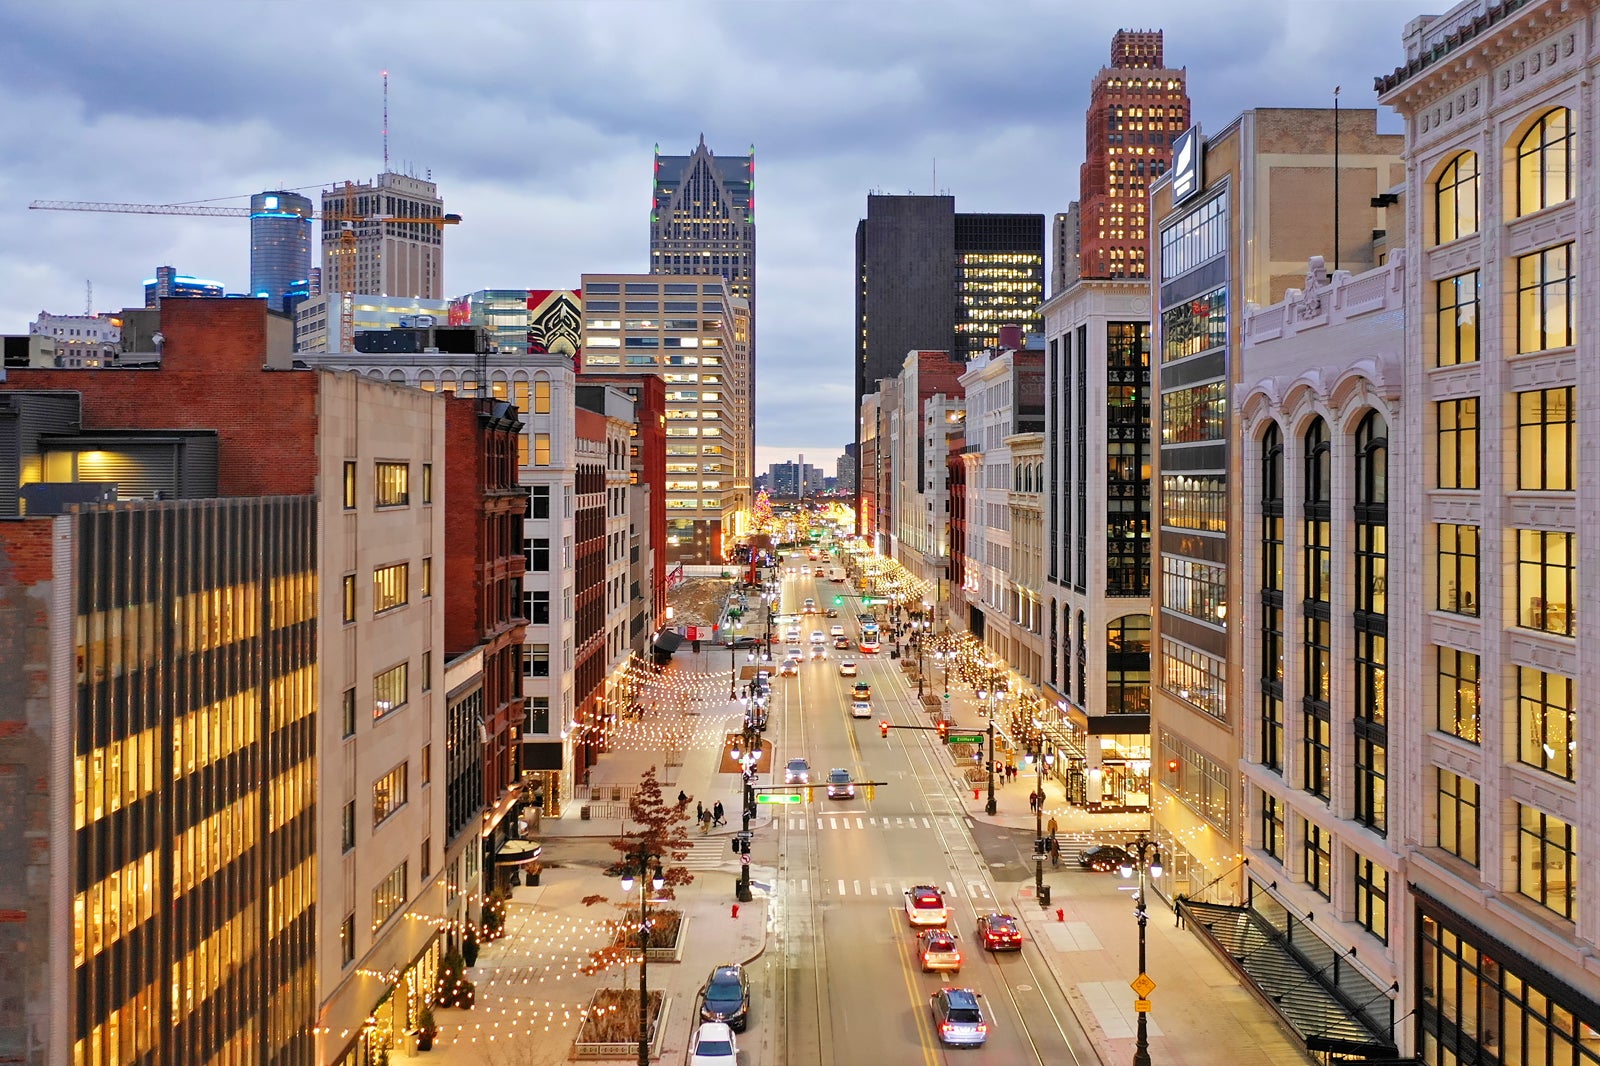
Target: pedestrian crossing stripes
<point>868,888</point>
<point>867,821</point>
<point>710,853</point>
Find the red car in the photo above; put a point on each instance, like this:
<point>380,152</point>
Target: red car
<point>999,932</point>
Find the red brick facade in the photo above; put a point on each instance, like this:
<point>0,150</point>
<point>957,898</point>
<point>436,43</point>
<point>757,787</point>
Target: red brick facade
<point>647,459</point>
<point>589,577</point>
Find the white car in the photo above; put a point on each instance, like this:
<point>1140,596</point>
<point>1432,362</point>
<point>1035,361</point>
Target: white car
<point>819,651</point>
<point>836,631</point>
<point>925,906</point>
<point>818,637</point>
<point>713,1045</point>
<point>794,653</point>
<point>847,669</point>
<point>792,635</point>
<point>790,668</point>
<point>860,709</point>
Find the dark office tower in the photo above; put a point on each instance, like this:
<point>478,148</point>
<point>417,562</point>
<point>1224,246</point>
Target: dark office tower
<point>928,279</point>
<point>1137,108</point>
<point>280,245</point>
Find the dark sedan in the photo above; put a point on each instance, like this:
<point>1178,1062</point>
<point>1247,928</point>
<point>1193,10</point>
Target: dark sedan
<point>725,997</point>
<point>1105,858</point>
<point>999,932</point>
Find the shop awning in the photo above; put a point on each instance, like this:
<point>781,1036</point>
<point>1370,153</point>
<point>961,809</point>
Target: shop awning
<point>518,853</point>
<point>667,641</point>
<point>541,754</point>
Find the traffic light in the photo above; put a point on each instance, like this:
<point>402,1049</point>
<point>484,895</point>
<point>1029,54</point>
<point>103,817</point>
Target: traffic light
<point>944,730</point>
<point>872,790</point>
<point>883,727</point>
<point>838,601</point>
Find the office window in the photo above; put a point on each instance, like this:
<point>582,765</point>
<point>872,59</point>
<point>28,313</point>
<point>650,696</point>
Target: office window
<point>539,501</point>
<point>539,607</point>
<point>1272,510</point>
<point>349,486</point>
<point>349,598</point>
<point>389,794</point>
<point>1458,693</point>
<point>348,719</point>
<point>427,764</point>
<point>1458,814</point>
<point>1458,444</point>
<point>1456,304</point>
<point>1546,453</point>
<point>389,896</point>
<point>1547,861</point>
<point>1316,754</point>
<point>427,578</point>
<point>427,857</point>
<point>1272,825</point>
<point>348,834</point>
<point>347,940</point>
<point>1547,577</point>
<point>390,587</point>
<point>1272,732</point>
<point>1317,850</point>
<point>1318,658</point>
<point>427,671</point>
<point>1457,555</point>
<point>539,555</point>
<point>1318,501</point>
<point>538,660</point>
<point>1545,283</point>
<point>541,397</point>
<point>538,714</point>
<point>1546,724</point>
<point>541,449</point>
<point>427,482</point>
<point>1456,199</point>
<point>1372,783</point>
<point>1372,897</point>
<point>1545,162</point>
<point>391,484</point>
<point>390,690</point>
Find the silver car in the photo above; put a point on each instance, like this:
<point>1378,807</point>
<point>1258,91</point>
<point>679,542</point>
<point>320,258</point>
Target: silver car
<point>957,1017</point>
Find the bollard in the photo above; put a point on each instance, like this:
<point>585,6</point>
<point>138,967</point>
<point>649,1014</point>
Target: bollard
<point>735,910</point>
<point>1061,914</point>
<point>974,791</point>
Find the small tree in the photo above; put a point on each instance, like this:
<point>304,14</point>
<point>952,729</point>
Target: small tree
<point>663,832</point>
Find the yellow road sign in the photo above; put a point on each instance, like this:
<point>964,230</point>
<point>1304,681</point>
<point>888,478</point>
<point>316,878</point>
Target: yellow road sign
<point>1142,1006</point>
<point>1142,986</point>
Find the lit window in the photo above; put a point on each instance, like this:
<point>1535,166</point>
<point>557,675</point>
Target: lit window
<point>349,486</point>
<point>390,587</point>
<point>390,690</point>
<point>1547,861</point>
<point>427,482</point>
<point>541,397</point>
<point>541,449</point>
<point>1458,693</point>
<point>1547,570</point>
<point>391,484</point>
<point>389,793</point>
<point>1456,302</point>
<point>1458,444</point>
<point>1456,199</point>
<point>349,598</point>
<point>1545,281</point>
<point>1546,723</point>
<point>1546,452</point>
<point>1457,555</point>
<point>1544,162</point>
<point>1458,815</point>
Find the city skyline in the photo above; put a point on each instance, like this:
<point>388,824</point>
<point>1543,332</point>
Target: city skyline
<point>191,123</point>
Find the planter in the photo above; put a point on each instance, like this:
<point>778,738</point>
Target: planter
<point>623,1004</point>
<point>672,952</point>
<point>424,1040</point>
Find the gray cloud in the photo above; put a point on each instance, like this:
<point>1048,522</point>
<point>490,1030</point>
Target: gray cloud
<point>538,120</point>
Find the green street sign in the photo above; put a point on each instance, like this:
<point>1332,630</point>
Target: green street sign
<point>964,738</point>
<point>777,797</point>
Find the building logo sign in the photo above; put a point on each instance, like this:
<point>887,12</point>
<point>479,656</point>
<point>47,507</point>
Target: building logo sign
<point>1188,171</point>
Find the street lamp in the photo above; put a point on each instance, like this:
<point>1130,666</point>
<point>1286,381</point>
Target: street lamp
<point>1146,855</point>
<point>917,636</point>
<point>748,756</point>
<point>735,627</point>
<point>1037,755</point>
<point>643,857</point>
<point>994,670</point>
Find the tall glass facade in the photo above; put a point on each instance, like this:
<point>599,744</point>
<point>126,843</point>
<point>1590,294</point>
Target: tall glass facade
<point>280,246</point>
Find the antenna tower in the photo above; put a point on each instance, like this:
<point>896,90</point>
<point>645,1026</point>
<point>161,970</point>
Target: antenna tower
<point>386,122</point>
<point>88,299</point>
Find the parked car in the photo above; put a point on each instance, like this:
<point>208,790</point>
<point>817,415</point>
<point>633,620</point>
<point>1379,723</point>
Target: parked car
<point>957,1017</point>
<point>1105,858</point>
<point>999,932</point>
<point>725,997</point>
<point>713,1045</point>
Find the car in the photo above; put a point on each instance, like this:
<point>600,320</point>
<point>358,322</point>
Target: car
<point>957,1017</point>
<point>836,631</point>
<point>810,606</point>
<point>713,1045</point>
<point>797,772</point>
<point>790,668</point>
<point>866,619</point>
<point>860,709</point>
<point>793,652</point>
<point>999,932</point>
<point>839,784</point>
<point>725,997</point>
<point>817,572</point>
<point>831,612</point>
<point>818,637</point>
<point>742,641</point>
<point>1105,858</point>
<point>925,906</point>
<point>848,669</point>
<point>937,950</point>
<point>819,651</point>
<point>792,635</point>
<point>863,691</point>
<point>841,643</point>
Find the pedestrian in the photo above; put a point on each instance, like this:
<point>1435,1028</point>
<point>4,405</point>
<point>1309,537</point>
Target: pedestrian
<point>699,810</point>
<point>716,813</point>
<point>1052,827</point>
<point>1033,801</point>
<point>1055,852</point>
<point>683,798</point>
<point>705,821</point>
<point>1177,909</point>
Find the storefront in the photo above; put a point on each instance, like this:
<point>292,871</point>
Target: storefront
<point>1119,768</point>
<point>394,1017</point>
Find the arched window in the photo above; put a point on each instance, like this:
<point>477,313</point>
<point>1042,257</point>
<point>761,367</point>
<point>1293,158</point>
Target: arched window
<point>1456,199</point>
<point>1372,461</point>
<point>1272,615</point>
<point>1128,665</point>
<point>1370,622</point>
<point>1319,464</point>
<point>1272,466</point>
<point>1544,162</point>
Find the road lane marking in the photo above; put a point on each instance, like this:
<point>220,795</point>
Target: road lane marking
<point>919,1009</point>
<point>859,825</point>
<point>858,887</point>
<point>841,886</point>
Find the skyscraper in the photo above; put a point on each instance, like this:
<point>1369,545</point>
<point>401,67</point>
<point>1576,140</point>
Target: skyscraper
<point>1137,108</point>
<point>362,253</point>
<point>280,246</point>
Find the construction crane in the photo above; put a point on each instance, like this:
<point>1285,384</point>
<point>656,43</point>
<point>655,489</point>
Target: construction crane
<point>347,229</point>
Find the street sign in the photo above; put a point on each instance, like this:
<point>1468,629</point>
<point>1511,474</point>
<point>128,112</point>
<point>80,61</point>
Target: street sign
<point>1142,1006</point>
<point>964,738</point>
<point>1142,986</point>
<point>744,860</point>
<point>777,797</point>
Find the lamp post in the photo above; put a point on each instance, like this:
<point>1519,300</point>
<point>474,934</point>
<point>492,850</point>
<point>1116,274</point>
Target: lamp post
<point>642,857</point>
<point>1146,856</point>
<point>990,806</point>
<point>1038,812</point>
<point>735,627</point>
<point>917,636</point>
<point>748,755</point>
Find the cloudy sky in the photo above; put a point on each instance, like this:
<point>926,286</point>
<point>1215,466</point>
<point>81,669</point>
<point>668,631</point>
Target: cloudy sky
<point>538,117</point>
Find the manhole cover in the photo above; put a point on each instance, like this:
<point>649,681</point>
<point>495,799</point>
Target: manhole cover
<point>1024,988</point>
<point>997,864</point>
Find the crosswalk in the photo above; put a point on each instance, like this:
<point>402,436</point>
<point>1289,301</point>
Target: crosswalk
<point>709,853</point>
<point>887,890</point>
<point>868,821</point>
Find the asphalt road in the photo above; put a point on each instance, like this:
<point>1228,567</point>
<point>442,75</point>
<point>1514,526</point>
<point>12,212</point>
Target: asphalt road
<point>840,984</point>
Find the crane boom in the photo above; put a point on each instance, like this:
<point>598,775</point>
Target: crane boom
<point>206,211</point>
